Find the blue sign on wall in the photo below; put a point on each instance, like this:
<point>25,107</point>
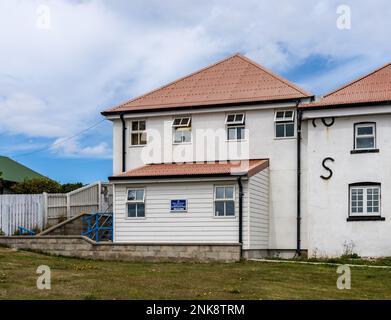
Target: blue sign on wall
<point>179,205</point>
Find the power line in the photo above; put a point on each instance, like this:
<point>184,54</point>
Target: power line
<point>60,142</point>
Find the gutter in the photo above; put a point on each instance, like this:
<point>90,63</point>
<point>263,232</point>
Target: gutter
<point>240,215</point>
<point>298,193</point>
<point>123,141</point>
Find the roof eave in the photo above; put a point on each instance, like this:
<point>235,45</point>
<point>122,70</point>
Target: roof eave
<point>343,105</point>
<point>231,104</point>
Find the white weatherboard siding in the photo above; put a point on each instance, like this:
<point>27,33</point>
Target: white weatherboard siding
<point>329,234</point>
<point>197,225</point>
<point>258,190</point>
<point>260,144</point>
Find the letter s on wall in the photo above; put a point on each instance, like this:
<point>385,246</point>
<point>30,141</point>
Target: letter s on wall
<point>327,168</point>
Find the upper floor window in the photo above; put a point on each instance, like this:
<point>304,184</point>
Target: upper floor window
<point>364,136</point>
<point>182,129</point>
<point>135,203</point>
<point>284,122</point>
<point>138,134</point>
<point>365,199</point>
<point>235,126</point>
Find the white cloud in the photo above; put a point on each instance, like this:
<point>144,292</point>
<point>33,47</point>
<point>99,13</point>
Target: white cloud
<point>73,148</point>
<point>55,82</point>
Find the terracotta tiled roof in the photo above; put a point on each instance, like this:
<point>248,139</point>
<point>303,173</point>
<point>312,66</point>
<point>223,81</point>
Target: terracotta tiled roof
<point>227,168</point>
<point>232,80</point>
<point>371,88</point>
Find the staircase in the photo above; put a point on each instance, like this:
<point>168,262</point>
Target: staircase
<point>98,226</point>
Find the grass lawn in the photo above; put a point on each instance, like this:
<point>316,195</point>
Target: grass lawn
<point>86,279</point>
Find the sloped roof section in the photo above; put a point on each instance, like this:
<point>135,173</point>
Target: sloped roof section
<point>233,80</point>
<point>196,169</point>
<point>15,172</point>
<point>370,88</point>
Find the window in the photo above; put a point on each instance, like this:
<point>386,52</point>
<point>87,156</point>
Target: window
<point>365,200</point>
<point>235,126</point>
<point>135,203</point>
<point>364,136</point>
<point>139,134</point>
<point>182,129</point>
<point>284,124</point>
<point>224,201</point>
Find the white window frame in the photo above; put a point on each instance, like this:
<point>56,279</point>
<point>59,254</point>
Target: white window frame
<point>224,200</point>
<point>373,135</point>
<point>284,121</point>
<point>236,124</point>
<point>139,133</point>
<point>182,127</point>
<point>365,200</point>
<point>235,121</point>
<point>136,201</point>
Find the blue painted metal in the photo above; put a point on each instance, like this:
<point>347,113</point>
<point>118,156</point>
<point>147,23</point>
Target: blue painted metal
<point>98,226</point>
<point>25,230</point>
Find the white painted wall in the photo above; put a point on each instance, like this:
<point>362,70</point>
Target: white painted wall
<point>260,144</point>
<point>327,201</point>
<point>197,225</point>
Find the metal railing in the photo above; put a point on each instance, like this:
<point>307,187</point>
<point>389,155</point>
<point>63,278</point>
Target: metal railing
<point>98,226</point>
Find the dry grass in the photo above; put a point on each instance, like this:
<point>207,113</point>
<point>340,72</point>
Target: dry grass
<point>85,279</point>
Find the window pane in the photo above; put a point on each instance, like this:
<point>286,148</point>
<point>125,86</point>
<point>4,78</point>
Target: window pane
<point>219,208</point>
<point>290,129</point>
<point>134,125</point>
<point>230,208</point>
<point>220,193</point>
<point>184,121</point>
<point>140,210</point>
<point>141,125</point>
<point>240,133</point>
<point>288,114</point>
<point>365,143</point>
<point>280,132</point>
<point>280,115</point>
<point>178,136</point>
<point>186,137</point>
<point>231,133</point>
<point>239,118</point>
<point>131,195</point>
<point>131,210</point>
<point>229,192</point>
<point>140,194</point>
<point>230,118</point>
<point>143,138</point>
<point>135,139</point>
<point>364,130</point>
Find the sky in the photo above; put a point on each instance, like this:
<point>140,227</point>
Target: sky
<point>62,62</point>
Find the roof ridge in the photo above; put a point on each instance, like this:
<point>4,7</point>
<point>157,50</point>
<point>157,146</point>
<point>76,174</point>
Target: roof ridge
<point>356,80</point>
<point>276,76</point>
<point>175,81</point>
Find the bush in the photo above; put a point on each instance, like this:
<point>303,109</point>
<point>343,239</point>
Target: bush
<point>36,185</point>
<point>40,185</point>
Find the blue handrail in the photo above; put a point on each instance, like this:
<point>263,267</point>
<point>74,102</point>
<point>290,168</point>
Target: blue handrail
<point>98,226</point>
<point>25,230</point>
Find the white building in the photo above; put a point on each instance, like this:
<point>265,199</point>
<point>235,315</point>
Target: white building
<point>214,158</point>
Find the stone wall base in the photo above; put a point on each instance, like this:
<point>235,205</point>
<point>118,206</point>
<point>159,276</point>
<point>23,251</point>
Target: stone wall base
<point>82,247</point>
<point>275,253</point>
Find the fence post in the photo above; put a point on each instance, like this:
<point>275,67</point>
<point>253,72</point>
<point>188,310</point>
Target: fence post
<point>100,196</point>
<point>68,206</point>
<point>45,210</point>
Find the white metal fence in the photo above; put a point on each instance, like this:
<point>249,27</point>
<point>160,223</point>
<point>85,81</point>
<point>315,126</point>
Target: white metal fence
<point>42,210</point>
